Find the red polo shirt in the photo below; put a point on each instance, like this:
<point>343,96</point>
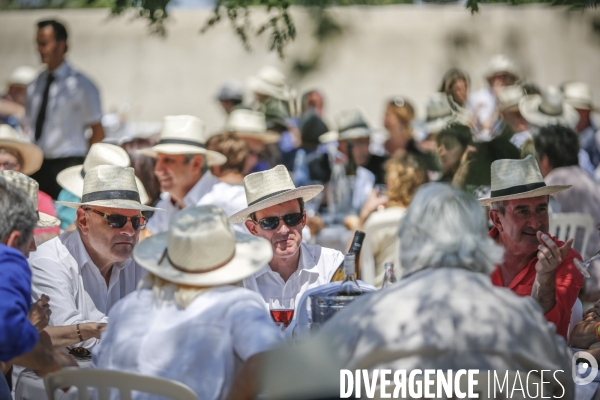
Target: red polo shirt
<point>568,283</point>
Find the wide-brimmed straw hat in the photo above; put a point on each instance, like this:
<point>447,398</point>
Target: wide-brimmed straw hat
<point>501,64</point>
<point>549,108</point>
<point>71,178</point>
<point>110,186</point>
<point>202,249</point>
<point>509,98</point>
<point>352,124</point>
<point>579,95</point>
<point>518,179</point>
<point>184,134</point>
<point>271,187</point>
<point>250,124</point>
<point>31,187</point>
<point>31,154</point>
<point>271,82</point>
<point>439,113</point>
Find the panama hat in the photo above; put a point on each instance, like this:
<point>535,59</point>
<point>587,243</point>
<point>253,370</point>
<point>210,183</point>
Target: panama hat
<point>578,95</point>
<point>31,154</point>
<point>518,179</point>
<point>271,82</point>
<point>439,113</point>
<point>202,249</point>
<point>250,124</point>
<point>271,187</point>
<point>501,64</point>
<point>329,137</point>
<point>352,124</point>
<point>31,187</point>
<point>184,134</point>
<point>110,186</point>
<point>22,75</point>
<point>71,178</point>
<point>509,98</point>
<point>549,108</point>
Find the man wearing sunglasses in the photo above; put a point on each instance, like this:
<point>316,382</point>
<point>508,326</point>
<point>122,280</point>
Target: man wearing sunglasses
<point>86,271</point>
<point>276,212</point>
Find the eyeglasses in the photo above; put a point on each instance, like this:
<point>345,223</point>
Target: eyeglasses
<point>9,166</point>
<point>270,223</point>
<point>119,221</point>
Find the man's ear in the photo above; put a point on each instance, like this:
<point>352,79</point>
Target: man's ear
<point>197,162</point>
<point>13,239</point>
<point>81,221</point>
<point>251,227</point>
<point>304,218</point>
<point>495,218</point>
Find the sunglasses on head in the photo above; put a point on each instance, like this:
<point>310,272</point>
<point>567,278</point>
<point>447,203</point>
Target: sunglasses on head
<point>270,223</point>
<point>119,221</point>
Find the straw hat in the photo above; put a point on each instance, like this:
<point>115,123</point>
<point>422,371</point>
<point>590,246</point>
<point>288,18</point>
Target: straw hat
<point>31,154</point>
<point>184,134</point>
<point>271,82</point>
<point>22,75</point>
<point>71,178</point>
<point>231,91</point>
<point>509,97</point>
<point>501,64</point>
<point>579,95</point>
<point>250,124</point>
<point>352,125</point>
<point>549,108</point>
<point>202,249</point>
<point>110,186</point>
<point>31,187</point>
<point>329,137</point>
<point>439,113</point>
<point>518,179</point>
<point>271,187</point>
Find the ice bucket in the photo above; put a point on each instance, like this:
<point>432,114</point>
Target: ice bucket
<point>324,307</point>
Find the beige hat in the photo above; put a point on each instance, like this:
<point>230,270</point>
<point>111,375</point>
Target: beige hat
<point>271,187</point>
<point>549,108</point>
<point>328,137</point>
<point>352,124</point>
<point>31,154</point>
<point>518,179</point>
<point>31,187</point>
<point>271,82</point>
<point>184,134</point>
<point>578,95</point>
<point>439,113</point>
<point>71,178</point>
<point>250,124</point>
<point>202,249</point>
<point>22,75</point>
<point>110,186</point>
<point>501,64</point>
<point>509,97</point>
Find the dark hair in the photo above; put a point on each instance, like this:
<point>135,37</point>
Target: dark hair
<point>459,132</point>
<point>17,213</point>
<point>300,201</point>
<point>560,144</point>
<point>451,76</point>
<point>60,32</point>
<point>143,166</point>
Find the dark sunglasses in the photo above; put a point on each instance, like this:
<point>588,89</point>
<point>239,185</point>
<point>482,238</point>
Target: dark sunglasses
<point>270,223</point>
<point>119,221</point>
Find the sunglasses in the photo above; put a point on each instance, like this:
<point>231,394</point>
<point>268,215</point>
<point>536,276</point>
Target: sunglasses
<point>119,221</point>
<point>270,223</point>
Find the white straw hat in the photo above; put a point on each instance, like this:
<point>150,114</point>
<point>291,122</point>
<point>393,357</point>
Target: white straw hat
<point>328,137</point>
<point>22,75</point>
<point>351,124</point>
<point>439,113</point>
<point>31,187</point>
<point>268,188</point>
<point>31,154</point>
<point>518,179</point>
<point>509,98</point>
<point>251,125</point>
<point>202,249</point>
<point>184,134</point>
<point>549,108</point>
<point>71,178</point>
<point>501,64</point>
<point>110,186</point>
<point>579,95</point>
<point>271,82</point>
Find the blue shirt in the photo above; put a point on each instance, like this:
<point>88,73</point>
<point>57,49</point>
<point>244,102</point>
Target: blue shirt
<point>17,334</point>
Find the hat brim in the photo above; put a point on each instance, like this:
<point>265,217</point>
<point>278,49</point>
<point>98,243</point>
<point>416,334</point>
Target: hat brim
<point>329,137</point>
<point>305,192</point>
<point>543,191</point>
<point>257,85</point>
<point>438,124</point>
<point>266,137</point>
<point>46,221</point>
<point>123,204</point>
<point>31,154</point>
<point>212,157</point>
<point>251,255</point>
<point>355,133</point>
<point>581,104</point>
<point>70,179</point>
<point>529,108</point>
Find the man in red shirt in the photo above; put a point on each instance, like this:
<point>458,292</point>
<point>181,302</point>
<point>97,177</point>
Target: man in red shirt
<point>535,263</point>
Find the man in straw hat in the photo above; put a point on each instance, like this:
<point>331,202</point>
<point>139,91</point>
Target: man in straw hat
<point>579,95</point>
<point>535,263</point>
<point>180,155</point>
<point>276,212</point>
<point>189,321</point>
<point>86,271</point>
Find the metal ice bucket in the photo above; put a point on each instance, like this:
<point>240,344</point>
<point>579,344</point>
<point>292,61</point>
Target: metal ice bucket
<point>324,307</point>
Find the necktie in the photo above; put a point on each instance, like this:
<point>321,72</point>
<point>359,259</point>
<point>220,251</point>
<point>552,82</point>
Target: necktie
<point>41,117</point>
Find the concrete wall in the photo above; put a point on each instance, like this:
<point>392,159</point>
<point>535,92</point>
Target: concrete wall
<point>385,51</point>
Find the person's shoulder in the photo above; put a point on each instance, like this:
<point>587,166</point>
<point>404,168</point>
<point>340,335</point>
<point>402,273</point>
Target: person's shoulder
<point>329,259</point>
<point>54,249</point>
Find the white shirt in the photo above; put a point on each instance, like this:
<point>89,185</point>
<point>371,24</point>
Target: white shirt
<point>231,198</point>
<point>198,346</point>
<point>160,220</point>
<point>315,268</point>
<point>62,269</point>
<point>73,105</point>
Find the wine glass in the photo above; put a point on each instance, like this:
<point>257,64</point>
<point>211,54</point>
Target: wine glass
<point>282,310</point>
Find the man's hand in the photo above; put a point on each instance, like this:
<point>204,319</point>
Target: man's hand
<point>92,329</point>
<point>550,256</point>
<point>39,314</point>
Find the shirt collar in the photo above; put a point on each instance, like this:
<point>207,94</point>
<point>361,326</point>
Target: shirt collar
<point>203,186</point>
<point>62,71</point>
<point>307,262</point>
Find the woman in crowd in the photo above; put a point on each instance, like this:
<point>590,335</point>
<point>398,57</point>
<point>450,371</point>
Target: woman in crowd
<point>454,145</point>
<point>455,84</point>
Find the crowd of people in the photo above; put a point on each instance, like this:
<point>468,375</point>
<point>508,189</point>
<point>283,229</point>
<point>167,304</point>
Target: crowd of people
<point>161,255</point>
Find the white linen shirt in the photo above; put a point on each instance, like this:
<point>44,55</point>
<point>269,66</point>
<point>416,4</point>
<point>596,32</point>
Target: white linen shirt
<point>73,105</point>
<point>231,198</point>
<point>160,220</point>
<point>315,268</point>
<point>62,269</point>
<point>199,346</point>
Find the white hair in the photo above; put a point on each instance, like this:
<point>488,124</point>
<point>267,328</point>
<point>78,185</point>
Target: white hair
<point>166,292</point>
<point>446,227</point>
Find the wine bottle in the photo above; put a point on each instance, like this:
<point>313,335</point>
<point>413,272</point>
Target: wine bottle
<point>349,286</point>
<point>355,248</point>
<point>389,278</point>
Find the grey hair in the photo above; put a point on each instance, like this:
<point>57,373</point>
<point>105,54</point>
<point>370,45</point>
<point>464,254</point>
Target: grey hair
<point>499,206</point>
<point>446,227</point>
<point>17,213</point>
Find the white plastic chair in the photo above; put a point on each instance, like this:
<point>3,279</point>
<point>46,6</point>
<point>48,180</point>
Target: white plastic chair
<point>124,382</point>
<point>566,225</point>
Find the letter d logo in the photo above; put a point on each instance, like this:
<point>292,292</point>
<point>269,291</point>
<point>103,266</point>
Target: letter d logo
<point>579,370</point>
